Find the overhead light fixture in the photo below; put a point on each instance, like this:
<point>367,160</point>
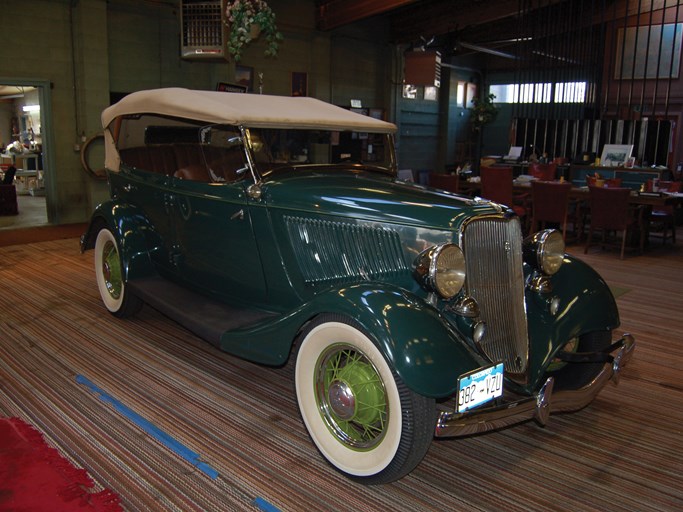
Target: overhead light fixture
<point>31,108</point>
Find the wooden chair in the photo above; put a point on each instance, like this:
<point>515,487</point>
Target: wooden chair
<point>662,220</point>
<point>8,193</point>
<point>550,203</point>
<point>496,185</point>
<point>610,212</point>
<point>8,178</point>
<point>584,210</point>
<point>545,172</point>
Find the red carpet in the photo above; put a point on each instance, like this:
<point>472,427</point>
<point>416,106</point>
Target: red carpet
<point>35,477</point>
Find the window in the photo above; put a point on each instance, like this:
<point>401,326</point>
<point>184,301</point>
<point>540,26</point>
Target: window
<point>561,92</point>
<point>570,92</point>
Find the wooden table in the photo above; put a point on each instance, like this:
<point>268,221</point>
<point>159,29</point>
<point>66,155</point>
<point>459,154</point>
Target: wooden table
<point>647,199</point>
<point>644,202</point>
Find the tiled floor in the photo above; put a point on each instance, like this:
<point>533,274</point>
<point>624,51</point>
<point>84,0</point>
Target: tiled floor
<point>32,212</point>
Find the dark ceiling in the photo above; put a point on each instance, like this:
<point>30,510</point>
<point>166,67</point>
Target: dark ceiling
<point>502,30</point>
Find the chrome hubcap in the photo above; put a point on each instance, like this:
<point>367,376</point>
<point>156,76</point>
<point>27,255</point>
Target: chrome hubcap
<point>111,270</point>
<point>342,400</point>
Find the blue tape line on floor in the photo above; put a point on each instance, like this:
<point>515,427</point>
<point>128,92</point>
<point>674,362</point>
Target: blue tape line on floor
<point>155,432</point>
<point>265,506</point>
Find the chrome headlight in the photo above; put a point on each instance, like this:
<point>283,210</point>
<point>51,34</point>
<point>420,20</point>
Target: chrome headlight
<point>545,251</point>
<point>441,269</point>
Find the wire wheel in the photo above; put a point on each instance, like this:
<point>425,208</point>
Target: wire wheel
<point>359,413</point>
<point>351,397</point>
<point>110,278</point>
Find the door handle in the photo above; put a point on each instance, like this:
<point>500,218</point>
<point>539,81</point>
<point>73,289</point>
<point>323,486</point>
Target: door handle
<point>169,202</point>
<point>237,215</point>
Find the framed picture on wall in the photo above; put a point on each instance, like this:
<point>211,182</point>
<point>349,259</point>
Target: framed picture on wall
<point>460,95</point>
<point>614,155</point>
<point>244,75</point>
<point>376,113</point>
<point>409,91</point>
<point>299,83</point>
<point>226,87</point>
<point>471,94</point>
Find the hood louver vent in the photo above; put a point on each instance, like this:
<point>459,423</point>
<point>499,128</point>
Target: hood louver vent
<point>338,251</point>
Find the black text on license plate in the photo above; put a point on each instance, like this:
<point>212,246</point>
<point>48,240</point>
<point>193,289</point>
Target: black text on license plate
<point>479,387</point>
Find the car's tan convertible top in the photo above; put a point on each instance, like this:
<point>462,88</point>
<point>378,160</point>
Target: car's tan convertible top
<point>250,110</point>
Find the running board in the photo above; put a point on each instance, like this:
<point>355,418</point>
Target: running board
<point>205,317</point>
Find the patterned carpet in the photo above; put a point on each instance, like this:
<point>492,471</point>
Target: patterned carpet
<point>66,365</point>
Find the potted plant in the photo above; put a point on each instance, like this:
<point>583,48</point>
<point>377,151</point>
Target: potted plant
<point>247,19</point>
<point>484,111</point>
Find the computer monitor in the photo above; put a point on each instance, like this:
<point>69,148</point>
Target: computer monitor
<point>514,154</point>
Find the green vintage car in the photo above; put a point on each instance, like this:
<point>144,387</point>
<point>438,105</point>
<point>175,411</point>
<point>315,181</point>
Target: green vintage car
<point>276,228</point>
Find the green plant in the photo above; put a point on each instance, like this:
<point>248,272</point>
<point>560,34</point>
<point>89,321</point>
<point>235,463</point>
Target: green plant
<point>241,16</point>
<point>483,111</point>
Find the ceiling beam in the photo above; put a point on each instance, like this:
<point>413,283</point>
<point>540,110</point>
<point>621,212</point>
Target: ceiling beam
<point>335,13</point>
<point>438,17</point>
<point>444,16</point>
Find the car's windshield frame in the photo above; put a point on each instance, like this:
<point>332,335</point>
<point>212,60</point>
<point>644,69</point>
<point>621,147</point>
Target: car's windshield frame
<point>319,149</point>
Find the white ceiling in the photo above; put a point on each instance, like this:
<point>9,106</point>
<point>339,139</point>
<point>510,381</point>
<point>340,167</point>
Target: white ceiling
<point>9,91</point>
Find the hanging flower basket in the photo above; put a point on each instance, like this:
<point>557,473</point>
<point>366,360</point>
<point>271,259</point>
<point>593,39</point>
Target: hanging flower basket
<point>247,20</point>
<point>255,30</point>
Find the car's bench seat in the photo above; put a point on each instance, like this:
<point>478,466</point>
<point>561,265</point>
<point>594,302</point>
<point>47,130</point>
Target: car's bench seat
<point>186,161</point>
<point>160,159</point>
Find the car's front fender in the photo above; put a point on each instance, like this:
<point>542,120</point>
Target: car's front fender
<point>418,342</point>
<point>586,304</point>
<point>414,338</point>
<point>135,236</point>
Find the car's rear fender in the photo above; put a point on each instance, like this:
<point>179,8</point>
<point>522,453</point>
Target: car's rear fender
<point>135,236</point>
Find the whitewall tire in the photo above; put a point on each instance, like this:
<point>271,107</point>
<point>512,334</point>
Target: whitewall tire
<point>360,415</point>
<point>110,279</point>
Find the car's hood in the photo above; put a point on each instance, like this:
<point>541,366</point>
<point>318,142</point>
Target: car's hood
<point>371,197</point>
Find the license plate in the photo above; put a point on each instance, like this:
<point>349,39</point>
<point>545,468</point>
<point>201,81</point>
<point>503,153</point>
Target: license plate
<point>480,386</point>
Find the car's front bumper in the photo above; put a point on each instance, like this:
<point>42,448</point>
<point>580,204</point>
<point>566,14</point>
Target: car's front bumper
<point>538,406</point>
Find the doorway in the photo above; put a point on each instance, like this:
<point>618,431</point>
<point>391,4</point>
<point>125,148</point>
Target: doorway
<point>26,145</point>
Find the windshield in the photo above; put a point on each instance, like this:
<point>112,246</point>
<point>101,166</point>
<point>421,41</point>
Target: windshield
<point>215,153</point>
<point>277,149</point>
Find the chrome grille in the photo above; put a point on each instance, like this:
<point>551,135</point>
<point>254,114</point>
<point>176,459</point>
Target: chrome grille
<point>343,251</point>
<point>495,278</point>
